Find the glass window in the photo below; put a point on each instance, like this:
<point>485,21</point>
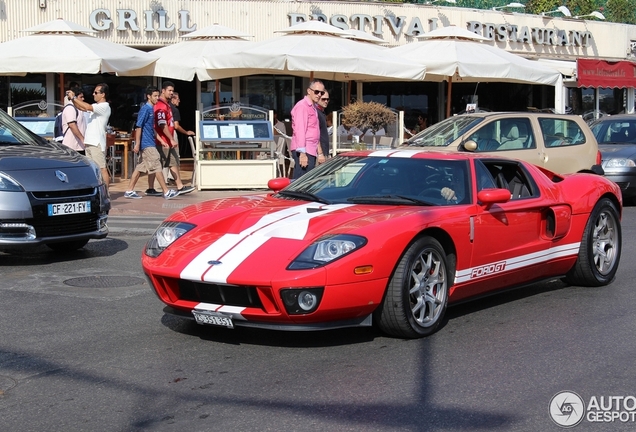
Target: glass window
<point>505,134</point>
<point>445,132</point>
<point>561,132</point>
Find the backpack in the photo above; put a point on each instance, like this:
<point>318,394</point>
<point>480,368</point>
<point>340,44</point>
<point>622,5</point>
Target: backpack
<point>58,133</point>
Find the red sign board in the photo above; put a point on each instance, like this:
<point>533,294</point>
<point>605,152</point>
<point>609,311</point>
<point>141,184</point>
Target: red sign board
<point>602,73</point>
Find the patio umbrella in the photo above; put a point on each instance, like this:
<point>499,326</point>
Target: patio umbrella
<point>61,46</point>
<point>196,55</point>
<point>319,50</point>
<point>452,53</point>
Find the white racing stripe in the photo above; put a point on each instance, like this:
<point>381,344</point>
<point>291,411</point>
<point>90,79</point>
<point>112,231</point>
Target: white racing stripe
<point>395,153</point>
<point>522,261</point>
<point>234,311</point>
<point>232,249</point>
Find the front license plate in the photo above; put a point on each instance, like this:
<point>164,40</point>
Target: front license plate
<point>213,318</point>
<point>69,208</point>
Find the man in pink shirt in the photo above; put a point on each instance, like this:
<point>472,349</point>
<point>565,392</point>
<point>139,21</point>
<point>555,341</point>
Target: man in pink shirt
<point>305,143</point>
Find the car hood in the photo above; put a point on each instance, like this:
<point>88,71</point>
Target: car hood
<point>248,231</point>
<point>35,167</point>
<point>617,150</point>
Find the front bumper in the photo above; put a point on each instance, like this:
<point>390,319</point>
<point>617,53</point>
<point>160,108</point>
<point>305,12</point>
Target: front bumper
<point>626,181</point>
<point>24,218</point>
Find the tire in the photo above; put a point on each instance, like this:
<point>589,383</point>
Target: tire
<point>417,294</point>
<point>600,250</point>
<point>68,246</point>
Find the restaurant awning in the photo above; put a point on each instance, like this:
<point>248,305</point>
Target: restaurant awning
<point>603,73</point>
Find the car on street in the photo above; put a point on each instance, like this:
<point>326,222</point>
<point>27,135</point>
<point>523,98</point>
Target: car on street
<point>49,194</point>
<point>561,143</point>
<point>616,137</point>
<point>387,237</point>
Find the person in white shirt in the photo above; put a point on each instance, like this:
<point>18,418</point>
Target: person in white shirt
<point>380,132</point>
<point>95,137</point>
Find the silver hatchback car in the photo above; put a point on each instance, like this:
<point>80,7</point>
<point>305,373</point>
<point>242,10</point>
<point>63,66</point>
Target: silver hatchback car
<point>49,194</point>
<point>561,143</point>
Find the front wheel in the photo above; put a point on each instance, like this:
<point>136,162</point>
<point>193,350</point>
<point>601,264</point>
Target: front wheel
<point>600,250</point>
<point>417,294</point>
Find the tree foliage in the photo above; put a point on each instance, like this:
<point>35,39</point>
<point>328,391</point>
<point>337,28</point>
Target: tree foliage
<point>367,116</point>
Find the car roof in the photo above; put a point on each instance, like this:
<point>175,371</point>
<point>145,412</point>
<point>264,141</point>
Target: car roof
<point>616,117</point>
<point>528,114</point>
<point>425,153</point>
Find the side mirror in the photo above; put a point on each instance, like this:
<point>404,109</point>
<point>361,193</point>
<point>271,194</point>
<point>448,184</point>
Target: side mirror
<point>493,196</point>
<point>278,183</point>
<point>470,146</point>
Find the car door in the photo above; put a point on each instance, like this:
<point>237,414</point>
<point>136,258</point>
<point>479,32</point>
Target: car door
<point>566,145</point>
<point>506,237</point>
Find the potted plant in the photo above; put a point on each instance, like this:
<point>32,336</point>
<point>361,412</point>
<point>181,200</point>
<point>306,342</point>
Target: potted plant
<point>367,116</point>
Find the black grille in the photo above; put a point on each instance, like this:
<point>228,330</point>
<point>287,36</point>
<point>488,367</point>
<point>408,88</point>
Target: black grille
<point>245,296</point>
<point>53,226</point>
<point>76,193</point>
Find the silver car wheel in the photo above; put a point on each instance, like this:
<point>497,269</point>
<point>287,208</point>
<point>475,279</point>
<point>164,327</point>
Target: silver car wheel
<point>427,291</point>
<point>605,242</point>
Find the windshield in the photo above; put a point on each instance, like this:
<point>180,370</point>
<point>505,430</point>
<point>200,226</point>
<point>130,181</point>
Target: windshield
<point>383,181</point>
<point>618,131</point>
<point>12,132</point>
<point>445,132</point>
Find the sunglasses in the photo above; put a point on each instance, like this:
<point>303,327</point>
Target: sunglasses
<point>317,92</point>
<point>97,92</point>
<point>324,99</point>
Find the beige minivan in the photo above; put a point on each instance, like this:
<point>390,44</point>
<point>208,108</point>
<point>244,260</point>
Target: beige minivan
<point>561,143</point>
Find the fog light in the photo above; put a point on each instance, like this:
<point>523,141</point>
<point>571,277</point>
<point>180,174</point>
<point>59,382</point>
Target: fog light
<point>102,224</point>
<point>307,301</point>
<point>17,230</point>
<point>302,300</point>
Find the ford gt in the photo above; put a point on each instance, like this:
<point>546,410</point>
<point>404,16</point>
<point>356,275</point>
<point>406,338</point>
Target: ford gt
<point>387,238</point>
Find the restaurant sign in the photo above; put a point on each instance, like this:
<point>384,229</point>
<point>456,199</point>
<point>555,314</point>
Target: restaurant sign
<point>607,74</point>
<point>124,19</point>
<point>413,28</point>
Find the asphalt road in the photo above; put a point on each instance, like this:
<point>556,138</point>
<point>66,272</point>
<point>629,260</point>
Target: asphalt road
<point>85,347</point>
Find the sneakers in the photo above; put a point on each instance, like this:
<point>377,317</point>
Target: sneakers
<point>170,194</point>
<point>131,195</point>
<point>185,190</point>
<point>152,192</point>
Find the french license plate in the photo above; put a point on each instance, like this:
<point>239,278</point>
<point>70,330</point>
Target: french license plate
<point>69,208</point>
<point>213,318</point>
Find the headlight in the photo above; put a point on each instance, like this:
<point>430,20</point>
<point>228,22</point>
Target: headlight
<point>327,250</point>
<point>8,184</point>
<point>165,235</point>
<point>620,163</point>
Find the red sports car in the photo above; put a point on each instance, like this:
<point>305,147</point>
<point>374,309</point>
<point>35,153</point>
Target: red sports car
<point>387,237</point>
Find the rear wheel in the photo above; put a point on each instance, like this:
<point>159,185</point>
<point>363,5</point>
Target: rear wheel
<point>417,294</point>
<point>600,250</point>
<point>68,246</point>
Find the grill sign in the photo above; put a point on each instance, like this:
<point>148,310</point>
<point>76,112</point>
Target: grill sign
<point>488,270</point>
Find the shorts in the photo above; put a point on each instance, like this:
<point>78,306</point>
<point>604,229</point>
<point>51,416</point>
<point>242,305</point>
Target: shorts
<point>96,154</point>
<point>149,161</point>
<point>169,156</point>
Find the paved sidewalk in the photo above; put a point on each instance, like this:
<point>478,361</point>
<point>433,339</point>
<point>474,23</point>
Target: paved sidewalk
<point>158,206</point>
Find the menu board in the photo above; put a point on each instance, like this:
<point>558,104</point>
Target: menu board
<point>42,126</point>
<point>237,131</point>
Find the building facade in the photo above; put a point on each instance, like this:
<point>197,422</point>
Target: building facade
<point>605,81</point>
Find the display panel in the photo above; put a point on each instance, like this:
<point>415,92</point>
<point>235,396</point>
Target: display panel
<point>236,131</point>
<point>42,126</point>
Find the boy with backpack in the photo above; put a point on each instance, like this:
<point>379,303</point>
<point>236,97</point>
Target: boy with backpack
<point>73,124</point>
